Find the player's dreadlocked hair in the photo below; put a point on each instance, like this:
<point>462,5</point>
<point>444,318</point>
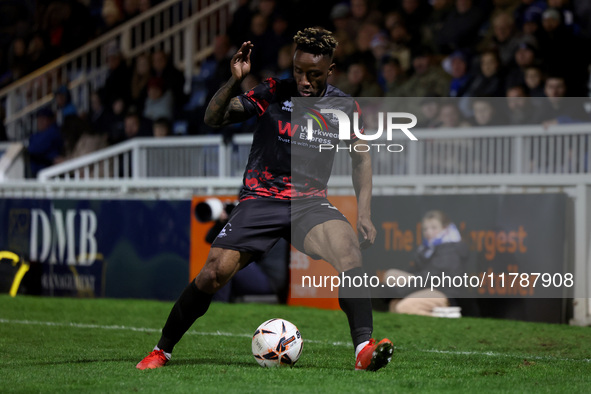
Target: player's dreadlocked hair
<point>316,41</point>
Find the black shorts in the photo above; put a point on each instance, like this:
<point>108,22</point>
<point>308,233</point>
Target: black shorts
<point>256,225</point>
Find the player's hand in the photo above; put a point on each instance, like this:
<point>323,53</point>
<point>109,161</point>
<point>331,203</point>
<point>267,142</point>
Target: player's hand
<point>367,232</point>
<point>240,64</point>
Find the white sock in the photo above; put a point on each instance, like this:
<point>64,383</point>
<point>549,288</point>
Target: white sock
<point>168,355</point>
<point>359,347</point>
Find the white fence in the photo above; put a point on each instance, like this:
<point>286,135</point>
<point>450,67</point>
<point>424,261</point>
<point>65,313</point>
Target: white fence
<point>184,28</point>
<point>141,158</point>
<point>12,161</point>
<point>477,151</point>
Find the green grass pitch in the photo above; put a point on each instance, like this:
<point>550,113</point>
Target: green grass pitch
<point>92,345</point>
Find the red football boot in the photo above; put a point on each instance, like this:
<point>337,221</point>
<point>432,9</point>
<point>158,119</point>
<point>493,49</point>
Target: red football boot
<point>374,356</point>
<point>156,359</point>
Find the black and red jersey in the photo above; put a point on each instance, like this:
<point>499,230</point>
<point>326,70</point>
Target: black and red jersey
<point>283,163</point>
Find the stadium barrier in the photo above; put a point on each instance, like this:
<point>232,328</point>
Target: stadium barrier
<point>516,150</point>
<point>12,161</point>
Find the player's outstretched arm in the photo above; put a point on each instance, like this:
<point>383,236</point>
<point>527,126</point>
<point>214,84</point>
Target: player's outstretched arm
<point>225,108</point>
<point>362,183</point>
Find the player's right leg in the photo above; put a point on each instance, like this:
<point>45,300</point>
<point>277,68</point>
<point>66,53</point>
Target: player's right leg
<point>220,267</point>
<point>336,242</point>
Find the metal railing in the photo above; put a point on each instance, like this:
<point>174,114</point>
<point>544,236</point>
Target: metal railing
<point>471,151</point>
<point>142,158</point>
<point>184,28</point>
<point>12,161</point>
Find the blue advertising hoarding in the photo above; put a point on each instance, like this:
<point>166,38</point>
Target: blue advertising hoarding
<point>111,248</point>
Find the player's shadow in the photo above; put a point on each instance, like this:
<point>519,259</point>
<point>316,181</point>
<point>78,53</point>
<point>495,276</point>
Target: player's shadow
<point>84,361</point>
<point>210,361</point>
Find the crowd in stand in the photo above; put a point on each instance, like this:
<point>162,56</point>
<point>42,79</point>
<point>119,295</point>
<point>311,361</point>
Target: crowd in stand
<point>434,49</point>
<point>35,32</point>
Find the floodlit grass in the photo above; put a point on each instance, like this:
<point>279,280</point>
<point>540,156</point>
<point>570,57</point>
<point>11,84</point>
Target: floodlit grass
<point>92,345</point>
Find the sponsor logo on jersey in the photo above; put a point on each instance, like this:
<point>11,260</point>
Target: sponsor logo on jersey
<point>224,233</point>
<point>287,106</point>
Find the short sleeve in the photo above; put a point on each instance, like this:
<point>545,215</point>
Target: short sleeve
<point>256,100</point>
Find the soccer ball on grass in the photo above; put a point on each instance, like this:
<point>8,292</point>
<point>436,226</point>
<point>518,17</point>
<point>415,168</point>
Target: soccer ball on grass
<point>277,342</point>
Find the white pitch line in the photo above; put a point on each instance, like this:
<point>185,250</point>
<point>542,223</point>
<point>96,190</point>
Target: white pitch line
<point>229,334</point>
<point>145,329</point>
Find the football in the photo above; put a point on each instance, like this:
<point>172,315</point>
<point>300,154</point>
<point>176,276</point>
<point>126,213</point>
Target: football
<point>277,342</point>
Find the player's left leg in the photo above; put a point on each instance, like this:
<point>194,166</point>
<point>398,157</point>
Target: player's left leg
<point>336,242</point>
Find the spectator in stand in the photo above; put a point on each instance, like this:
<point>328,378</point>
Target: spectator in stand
<point>284,62</point>
<point>460,28</point>
<point>556,108</point>
<point>78,28</point>
<point>63,104</point>
<point>340,16</point>
<point>19,63</point>
<point>240,22</point>
<point>46,146</point>
<point>435,22</point>
<point>457,67</point>
<point>502,7</point>
<point>139,81</point>
<point>115,118</point>
<point>393,77</point>
<point>173,78</point>
<point>55,24</point>
<point>429,114</point>
<point>582,10</point>
<point>159,103</point>
<point>485,112</point>
<point>215,71</point>
<point>427,78</point>
<point>561,51</point>
<point>134,125</point>
<point>144,5</point>
<point>162,128</point>
<point>380,47</point>
<point>267,8</point>
<point>402,45</point>
<point>565,10</point>
<point>529,11</point>
<point>504,40</point>
<point>365,35</point>
<point>89,140</point>
<point>534,81</point>
<point>360,82</point>
<point>99,116</point>
<point>37,52</point>
<point>131,9</point>
<point>450,116</point>
<point>415,14</point>
<point>259,36</point>
<point>521,110</point>
<point>488,82</point>
<point>362,13</point>
<point>532,22</point>
<point>112,15</point>
<point>279,36</point>
<point>72,130</point>
<point>117,82</point>
<point>525,56</point>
